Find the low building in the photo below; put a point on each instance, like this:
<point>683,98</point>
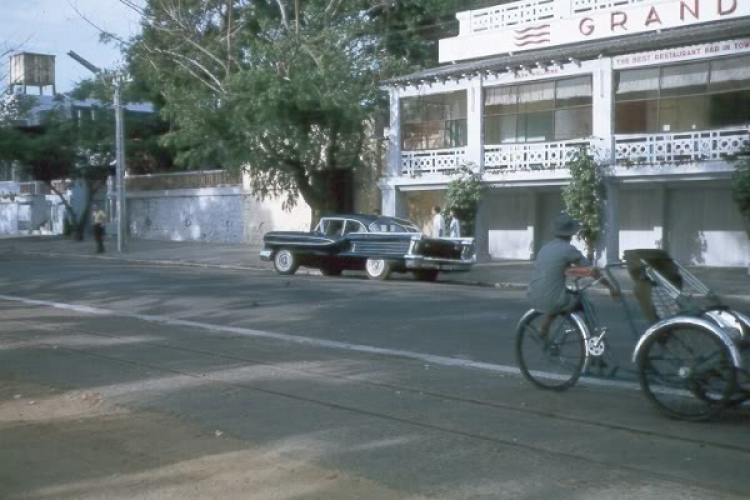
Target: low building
<point>658,89</point>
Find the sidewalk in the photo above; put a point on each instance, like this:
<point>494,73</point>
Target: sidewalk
<point>501,274</point>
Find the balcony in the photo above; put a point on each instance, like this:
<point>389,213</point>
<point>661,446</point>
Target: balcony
<point>530,156</point>
<point>679,148</point>
<point>436,161</point>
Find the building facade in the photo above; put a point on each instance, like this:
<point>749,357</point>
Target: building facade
<point>659,90</point>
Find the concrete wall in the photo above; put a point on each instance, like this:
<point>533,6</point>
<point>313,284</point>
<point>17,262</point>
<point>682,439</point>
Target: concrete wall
<point>510,224</point>
<point>704,227</point>
<point>222,215</point>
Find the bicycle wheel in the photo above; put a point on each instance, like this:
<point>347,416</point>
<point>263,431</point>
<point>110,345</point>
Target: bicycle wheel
<point>555,363</point>
<point>687,372</point>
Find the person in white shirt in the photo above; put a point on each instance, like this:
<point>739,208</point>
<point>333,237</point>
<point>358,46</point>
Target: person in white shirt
<point>454,229</point>
<point>438,223</point>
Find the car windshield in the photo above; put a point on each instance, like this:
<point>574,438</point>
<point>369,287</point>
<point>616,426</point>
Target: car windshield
<point>390,226</point>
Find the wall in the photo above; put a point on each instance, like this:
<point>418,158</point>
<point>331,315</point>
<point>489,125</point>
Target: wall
<point>221,215</point>
<point>510,224</point>
<point>419,208</point>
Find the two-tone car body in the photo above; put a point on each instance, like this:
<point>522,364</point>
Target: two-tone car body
<point>377,245</point>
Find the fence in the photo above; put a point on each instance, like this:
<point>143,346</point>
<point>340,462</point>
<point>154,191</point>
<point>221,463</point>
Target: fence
<point>184,180</point>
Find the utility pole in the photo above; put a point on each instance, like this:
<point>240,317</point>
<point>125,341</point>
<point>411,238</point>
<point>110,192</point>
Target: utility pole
<point>119,148</point>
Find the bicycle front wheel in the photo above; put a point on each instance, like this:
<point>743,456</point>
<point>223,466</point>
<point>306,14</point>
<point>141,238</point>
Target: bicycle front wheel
<point>554,363</point>
<point>687,372</point>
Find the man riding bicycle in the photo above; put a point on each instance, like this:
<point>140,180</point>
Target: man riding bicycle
<point>547,291</point>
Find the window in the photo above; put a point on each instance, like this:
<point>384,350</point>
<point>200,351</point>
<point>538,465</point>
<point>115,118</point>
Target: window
<point>434,121</point>
<point>331,227</point>
<point>352,226</point>
<point>683,97</point>
<point>538,112</point>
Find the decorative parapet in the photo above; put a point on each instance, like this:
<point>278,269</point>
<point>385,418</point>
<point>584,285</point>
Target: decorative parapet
<point>680,147</point>
<point>436,161</point>
<point>531,156</point>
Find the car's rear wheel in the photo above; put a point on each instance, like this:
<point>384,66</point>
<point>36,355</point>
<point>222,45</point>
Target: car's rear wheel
<point>426,274</point>
<point>285,262</point>
<point>330,271</point>
<point>378,269</point>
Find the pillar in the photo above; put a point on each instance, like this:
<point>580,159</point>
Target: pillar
<point>531,227</point>
<point>612,225</point>
<point>660,227</point>
<point>394,135</point>
<point>393,201</point>
<point>603,125</point>
<point>475,123</point>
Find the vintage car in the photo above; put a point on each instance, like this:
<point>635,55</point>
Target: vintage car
<point>377,245</point>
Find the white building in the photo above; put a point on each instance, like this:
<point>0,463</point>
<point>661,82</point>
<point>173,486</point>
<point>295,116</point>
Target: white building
<point>659,88</point>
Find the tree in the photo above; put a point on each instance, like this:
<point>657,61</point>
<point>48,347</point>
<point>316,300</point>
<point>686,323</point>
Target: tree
<point>278,88</point>
<point>584,198</point>
<point>463,195</point>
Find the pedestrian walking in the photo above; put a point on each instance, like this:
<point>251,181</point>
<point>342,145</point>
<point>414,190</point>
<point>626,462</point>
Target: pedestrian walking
<point>454,229</point>
<point>99,218</point>
<point>438,223</point>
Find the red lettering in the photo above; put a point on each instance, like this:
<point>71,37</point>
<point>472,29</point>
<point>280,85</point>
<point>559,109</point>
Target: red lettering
<point>695,11</point>
<point>725,11</point>
<point>586,26</point>
<point>621,22</point>
<point>653,17</point>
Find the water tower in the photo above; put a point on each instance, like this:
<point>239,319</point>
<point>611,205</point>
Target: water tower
<point>32,70</point>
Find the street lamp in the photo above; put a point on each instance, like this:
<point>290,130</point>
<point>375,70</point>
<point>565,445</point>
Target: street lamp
<point>119,146</point>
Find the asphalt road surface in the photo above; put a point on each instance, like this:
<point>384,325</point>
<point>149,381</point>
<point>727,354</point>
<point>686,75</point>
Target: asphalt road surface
<point>227,384</point>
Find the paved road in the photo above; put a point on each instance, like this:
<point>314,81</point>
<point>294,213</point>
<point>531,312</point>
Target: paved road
<point>408,386</point>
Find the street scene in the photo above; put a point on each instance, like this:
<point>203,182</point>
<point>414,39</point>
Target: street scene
<point>375,249</point>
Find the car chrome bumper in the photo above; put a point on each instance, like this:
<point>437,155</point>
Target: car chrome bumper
<point>446,265</point>
<point>266,254</point>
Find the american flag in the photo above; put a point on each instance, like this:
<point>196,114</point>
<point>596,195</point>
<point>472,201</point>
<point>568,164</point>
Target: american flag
<point>533,35</point>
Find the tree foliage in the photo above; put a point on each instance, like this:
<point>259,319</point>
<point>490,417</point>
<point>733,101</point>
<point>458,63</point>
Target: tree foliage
<point>463,195</point>
<point>280,92</point>
<point>584,198</point>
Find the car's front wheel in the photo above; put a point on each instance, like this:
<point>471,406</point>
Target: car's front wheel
<point>378,269</point>
<point>285,262</point>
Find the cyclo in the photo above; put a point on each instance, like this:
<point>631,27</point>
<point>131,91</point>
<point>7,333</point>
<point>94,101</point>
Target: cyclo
<point>691,362</point>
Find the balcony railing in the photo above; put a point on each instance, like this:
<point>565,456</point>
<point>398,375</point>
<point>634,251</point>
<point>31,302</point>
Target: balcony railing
<point>531,156</point>
<point>184,180</point>
<point>681,147</point>
<point>532,11</point>
<point>415,163</point>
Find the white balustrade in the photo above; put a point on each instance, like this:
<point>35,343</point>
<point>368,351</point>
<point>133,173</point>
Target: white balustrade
<point>534,11</point>
<point>531,156</point>
<point>415,163</point>
<point>680,147</point>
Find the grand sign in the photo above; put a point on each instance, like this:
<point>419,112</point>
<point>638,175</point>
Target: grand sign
<point>594,25</point>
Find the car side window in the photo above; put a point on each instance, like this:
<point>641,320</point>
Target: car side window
<point>353,226</point>
<point>332,227</point>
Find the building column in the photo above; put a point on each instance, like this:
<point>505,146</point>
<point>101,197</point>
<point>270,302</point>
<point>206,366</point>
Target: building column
<point>603,125</point>
<point>475,123</point>
<point>531,227</point>
<point>482,232</point>
<point>393,203</point>
<point>660,228</point>
<point>393,168</point>
<point>612,224</point>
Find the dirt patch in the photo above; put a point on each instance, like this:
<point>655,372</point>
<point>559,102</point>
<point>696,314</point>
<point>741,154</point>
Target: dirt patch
<point>72,445</point>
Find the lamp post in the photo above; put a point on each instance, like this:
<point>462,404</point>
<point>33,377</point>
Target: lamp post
<point>119,147</point>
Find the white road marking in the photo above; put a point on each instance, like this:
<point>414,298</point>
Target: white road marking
<point>315,342</point>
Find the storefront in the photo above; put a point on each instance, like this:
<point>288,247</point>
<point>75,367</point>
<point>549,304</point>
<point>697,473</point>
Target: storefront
<point>658,89</point>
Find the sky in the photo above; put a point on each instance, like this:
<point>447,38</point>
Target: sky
<point>54,27</point>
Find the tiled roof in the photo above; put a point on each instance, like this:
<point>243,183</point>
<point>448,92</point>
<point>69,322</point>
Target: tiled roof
<point>691,35</point>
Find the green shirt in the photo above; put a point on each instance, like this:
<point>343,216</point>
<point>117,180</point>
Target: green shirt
<point>547,288</point>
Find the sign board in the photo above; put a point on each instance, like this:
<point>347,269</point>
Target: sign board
<point>631,19</point>
<point>694,52</point>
